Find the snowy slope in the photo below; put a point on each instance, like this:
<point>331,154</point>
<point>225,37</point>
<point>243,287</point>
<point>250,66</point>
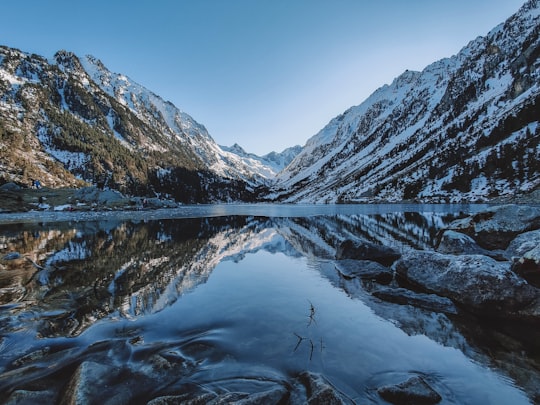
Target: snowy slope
<point>176,124</point>
<point>273,161</point>
<point>446,133</point>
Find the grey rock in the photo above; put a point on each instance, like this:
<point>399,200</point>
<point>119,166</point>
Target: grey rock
<point>522,244</point>
<point>26,397</point>
<point>10,187</point>
<point>272,396</point>
<point>403,296</point>
<point>364,250</point>
<point>452,242</point>
<point>524,252</point>
<point>116,385</point>
<point>320,391</point>
<point>479,283</point>
<point>498,226</point>
<point>365,269</point>
<point>413,391</point>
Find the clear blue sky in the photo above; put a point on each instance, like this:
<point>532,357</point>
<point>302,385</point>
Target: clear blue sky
<point>267,74</point>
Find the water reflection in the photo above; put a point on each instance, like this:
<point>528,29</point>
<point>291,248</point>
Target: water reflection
<point>72,278</point>
<point>88,270</point>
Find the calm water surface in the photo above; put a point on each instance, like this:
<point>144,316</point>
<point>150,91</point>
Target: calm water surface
<point>246,297</point>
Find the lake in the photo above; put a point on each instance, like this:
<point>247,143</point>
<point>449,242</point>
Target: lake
<point>233,298</point>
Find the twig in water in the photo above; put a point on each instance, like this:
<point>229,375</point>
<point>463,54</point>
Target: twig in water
<point>311,314</point>
<point>300,338</point>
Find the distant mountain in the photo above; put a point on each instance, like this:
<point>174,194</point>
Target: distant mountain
<point>276,161</point>
<point>465,128</point>
<point>69,121</point>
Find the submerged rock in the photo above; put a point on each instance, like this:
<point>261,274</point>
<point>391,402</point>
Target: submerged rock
<point>403,296</point>
<point>367,251</point>
<point>413,391</point>
<point>320,391</point>
<point>498,226</point>
<point>94,383</point>
<point>28,397</point>
<point>479,283</point>
<point>365,269</point>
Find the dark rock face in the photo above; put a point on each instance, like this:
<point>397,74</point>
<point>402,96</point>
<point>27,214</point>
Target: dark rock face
<point>497,227</point>
<point>479,283</point>
<point>365,269</point>
<point>367,251</point>
<point>413,391</point>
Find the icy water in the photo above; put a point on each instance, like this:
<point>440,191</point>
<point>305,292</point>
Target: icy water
<point>236,298</point>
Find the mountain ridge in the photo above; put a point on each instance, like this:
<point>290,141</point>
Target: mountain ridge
<point>465,128</point>
<point>389,147</point>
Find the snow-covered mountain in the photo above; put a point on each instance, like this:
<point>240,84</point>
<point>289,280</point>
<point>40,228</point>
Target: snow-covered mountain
<point>465,128</point>
<point>275,161</point>
<point>74,121</point>
<point>174,123</point>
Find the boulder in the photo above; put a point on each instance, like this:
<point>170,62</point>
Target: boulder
<point>522,244</point>
<point>365,269</point>
<point>320,392</point>
<point>403,296</point>
<point>413,391</point>
<point>457,243</point>
<point>478,283</point>
<point>498,226</point>
<point>28,397</point>
<point>524,251</point>
<point>10,187</point>
<point>363,250</point>
<point>116,385</point>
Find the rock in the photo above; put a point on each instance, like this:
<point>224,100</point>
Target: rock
<point>403,296</point>
<point>498,226</point>
<point>458,243</point>
<point>528,266</point>
<point>365,269</point>
<point>272,396</point>
<point>26,397</point>
<point>522,244</point>
<point>94,195</point>
<point>413,391</point>
<point>184,399</point>
<point>479,283</point>
<point>321,392</point>
<point>10,187</point>
<point>367,251</point>
<point>116,385</point>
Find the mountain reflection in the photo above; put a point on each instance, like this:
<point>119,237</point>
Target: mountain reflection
<point>74,274</point>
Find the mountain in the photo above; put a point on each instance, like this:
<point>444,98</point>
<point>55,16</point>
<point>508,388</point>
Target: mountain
<point>465,128</point>
<point>69,121</point>
<point>275,161</point>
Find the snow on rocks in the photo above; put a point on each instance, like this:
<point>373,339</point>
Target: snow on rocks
<point>498,226</point>
<point>478,283</point>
